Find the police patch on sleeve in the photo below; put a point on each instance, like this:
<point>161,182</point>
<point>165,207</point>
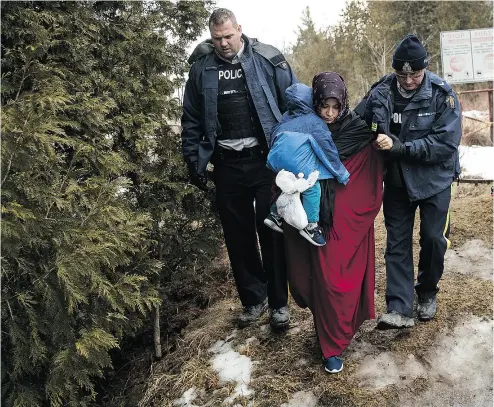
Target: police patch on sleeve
<point>374,127</point>
<point>451,101</point>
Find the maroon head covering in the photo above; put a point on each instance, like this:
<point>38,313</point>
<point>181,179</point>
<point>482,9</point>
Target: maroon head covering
<point>327,85</point>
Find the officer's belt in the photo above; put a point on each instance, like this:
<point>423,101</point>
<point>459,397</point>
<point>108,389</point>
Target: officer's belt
<point>223,153</point>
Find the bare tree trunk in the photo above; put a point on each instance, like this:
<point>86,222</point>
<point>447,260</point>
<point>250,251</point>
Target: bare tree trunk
<point>380,51</point>
<point>157,333</point>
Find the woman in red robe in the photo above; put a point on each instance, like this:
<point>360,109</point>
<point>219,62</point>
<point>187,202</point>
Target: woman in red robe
<point>336,281</point>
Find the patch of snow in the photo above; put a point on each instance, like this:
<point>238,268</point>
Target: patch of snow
<point>461,368</point>
<point>388,368</point>
<point>264,328</point>
<point>302,399</point>
<point>294,331</point>
<point>457,368</point>
<point>187,398</point>
<point>472,258</point>
<point>462,354</point>
<point>220,347</point>
<point>231,336</point>
<point>231,366</point>
<point>476,162</point>
<point>358,350</point>
<point>301,362</point>
<point>477,114</point>
<point>250,340</point>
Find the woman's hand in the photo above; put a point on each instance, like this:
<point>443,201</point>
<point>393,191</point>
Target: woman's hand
<point>383,142</point>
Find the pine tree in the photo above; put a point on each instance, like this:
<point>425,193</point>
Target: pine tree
<point>308,53</point>
<point>95,207</point>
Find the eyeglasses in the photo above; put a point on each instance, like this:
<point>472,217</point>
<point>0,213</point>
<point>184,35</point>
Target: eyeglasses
<point>413,75</point>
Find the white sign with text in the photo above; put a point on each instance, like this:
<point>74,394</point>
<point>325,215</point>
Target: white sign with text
<point>467,55</point>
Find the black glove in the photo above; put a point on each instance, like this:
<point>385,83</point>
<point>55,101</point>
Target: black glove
<point>200,181</point>
<point>398,149</point>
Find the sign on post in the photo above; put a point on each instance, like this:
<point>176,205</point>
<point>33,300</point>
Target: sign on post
<point>467,55</point>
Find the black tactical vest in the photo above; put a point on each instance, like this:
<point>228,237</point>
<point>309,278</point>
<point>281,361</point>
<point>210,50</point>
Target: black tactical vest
<point>234,109</point>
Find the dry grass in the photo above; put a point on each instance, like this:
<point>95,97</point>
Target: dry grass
<point>471,214</point>
<point>187,366</point>
<point>475,133</point>
<point>287,362</point>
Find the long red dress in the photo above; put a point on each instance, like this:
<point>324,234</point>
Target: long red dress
<point>337,281</point>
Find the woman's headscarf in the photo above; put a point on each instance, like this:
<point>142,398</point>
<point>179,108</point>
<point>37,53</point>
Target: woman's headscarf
<point>327,85</point>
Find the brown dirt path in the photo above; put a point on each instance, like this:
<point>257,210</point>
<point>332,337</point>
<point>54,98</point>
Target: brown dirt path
<point>445,362</point>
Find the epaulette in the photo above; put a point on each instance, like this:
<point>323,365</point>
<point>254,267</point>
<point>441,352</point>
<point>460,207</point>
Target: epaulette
<point>204,48</point>
<point>269,52</point>
<point>383,79</point>
<point>440,82</point>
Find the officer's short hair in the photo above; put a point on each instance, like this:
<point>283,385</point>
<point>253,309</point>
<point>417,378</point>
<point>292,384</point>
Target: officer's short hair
<point>220,15</point>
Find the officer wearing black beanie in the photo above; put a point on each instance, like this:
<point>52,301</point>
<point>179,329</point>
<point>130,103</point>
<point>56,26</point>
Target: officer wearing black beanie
<point>410,51</point>
<point>416,117</point>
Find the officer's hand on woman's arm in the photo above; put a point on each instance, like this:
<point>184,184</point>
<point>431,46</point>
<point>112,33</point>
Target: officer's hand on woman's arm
<point>382,142</point>
<point>397,149</point>
<point>391,144</point>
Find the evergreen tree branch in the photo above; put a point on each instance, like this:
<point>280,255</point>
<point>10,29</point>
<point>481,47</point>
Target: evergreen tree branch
<point>24,77</point>
<point>10,310</point>
<point>93,208</point>
<point>32,283</point>
<point>8,169</point>
<point>66,176</point>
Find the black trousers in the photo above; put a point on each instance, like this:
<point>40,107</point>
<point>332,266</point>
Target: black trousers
<point>243,195</point>
<point>399,216</point>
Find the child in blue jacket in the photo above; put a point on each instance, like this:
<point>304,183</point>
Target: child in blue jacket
<point>301,142</point>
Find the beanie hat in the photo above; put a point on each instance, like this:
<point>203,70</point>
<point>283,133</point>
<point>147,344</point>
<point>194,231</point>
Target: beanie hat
<point>410,55</point>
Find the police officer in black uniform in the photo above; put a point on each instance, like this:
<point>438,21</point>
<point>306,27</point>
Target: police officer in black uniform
<point>417,118</point>
<point>233,97</point>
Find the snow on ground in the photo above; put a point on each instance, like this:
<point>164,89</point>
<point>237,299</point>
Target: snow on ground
<point>302,399</point>
<point>387,368</point>
<point>477,114</point>
<point>473,258</point>
<point>458,368</point>
<point>187,398</point>
<point>477,162</point>
<point>231,366</point>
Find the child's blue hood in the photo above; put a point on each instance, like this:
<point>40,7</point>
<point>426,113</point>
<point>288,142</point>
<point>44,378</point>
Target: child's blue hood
<point>298,99</point>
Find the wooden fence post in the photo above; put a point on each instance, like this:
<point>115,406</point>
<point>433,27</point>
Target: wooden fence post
<point>490,115</point>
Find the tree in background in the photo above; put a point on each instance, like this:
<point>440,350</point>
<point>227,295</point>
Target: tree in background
<point>311,50</point>
<point>98,222</point>
<point>360,46</point>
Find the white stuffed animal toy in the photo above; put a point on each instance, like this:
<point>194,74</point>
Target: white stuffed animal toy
<point>289,204</point>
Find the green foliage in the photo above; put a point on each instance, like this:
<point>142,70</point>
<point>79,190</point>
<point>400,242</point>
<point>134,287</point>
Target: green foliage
<point>97,217</point>
<point>307,62</point>
<point>360,46</point>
